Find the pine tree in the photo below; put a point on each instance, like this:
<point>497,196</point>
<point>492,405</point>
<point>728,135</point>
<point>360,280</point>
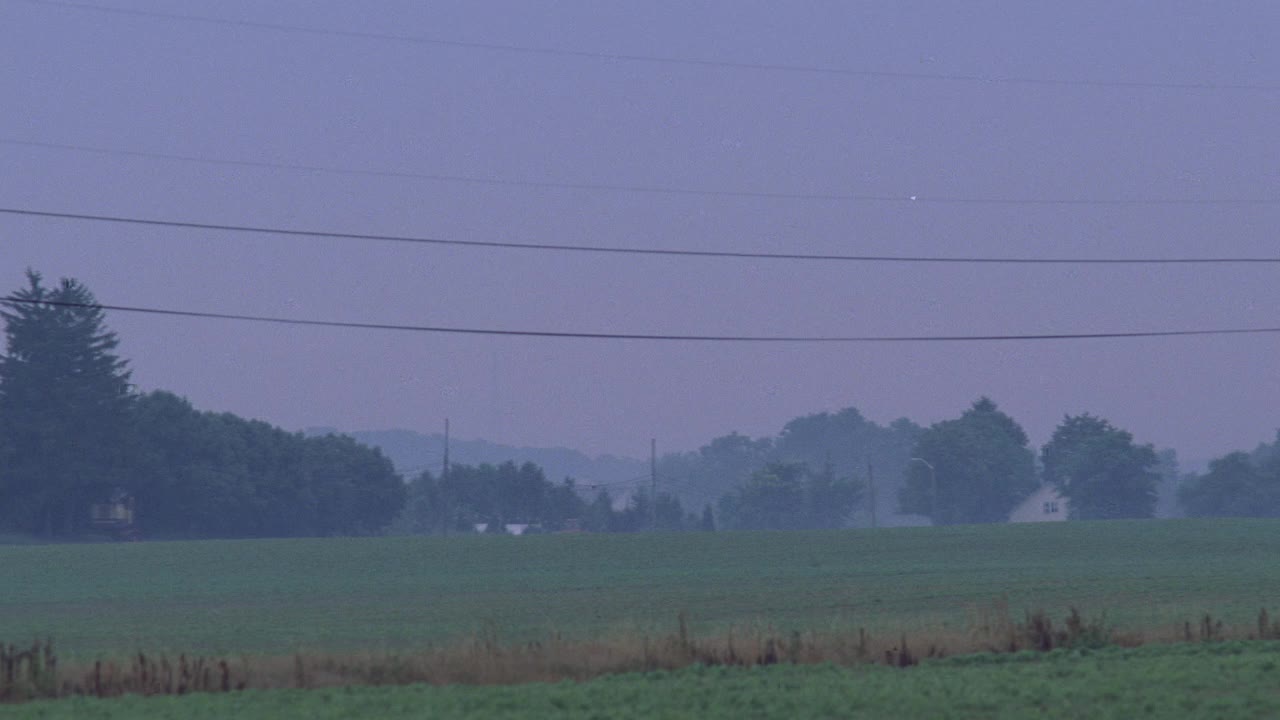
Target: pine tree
<point>64,407</point>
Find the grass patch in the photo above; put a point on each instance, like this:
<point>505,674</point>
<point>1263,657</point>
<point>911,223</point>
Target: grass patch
<point>386,595</point>
<point>1236,680</point>
<point>35,672</point>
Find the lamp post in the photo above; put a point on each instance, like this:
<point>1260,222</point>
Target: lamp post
<point>933,482</point>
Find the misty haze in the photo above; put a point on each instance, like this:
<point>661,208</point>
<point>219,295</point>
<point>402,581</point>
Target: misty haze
<point>727,359</point>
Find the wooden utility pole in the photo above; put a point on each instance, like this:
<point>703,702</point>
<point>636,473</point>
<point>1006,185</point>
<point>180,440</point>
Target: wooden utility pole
<point>653,484</point>
<point>446,517</point>
<point>444,473</point>
<point>871,485</point>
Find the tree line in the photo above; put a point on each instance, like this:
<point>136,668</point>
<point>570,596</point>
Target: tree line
<point>488,498</point>
<point>979,467</point>
<point>74,431</point>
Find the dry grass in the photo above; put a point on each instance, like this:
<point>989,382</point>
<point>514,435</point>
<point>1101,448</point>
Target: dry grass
<point>34,672</point>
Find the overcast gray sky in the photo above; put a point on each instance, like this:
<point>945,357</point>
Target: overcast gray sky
<point>82,77</point>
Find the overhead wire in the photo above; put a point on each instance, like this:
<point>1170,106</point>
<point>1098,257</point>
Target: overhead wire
<point>616,57</point>
<point>676,252</point>
<point>581,335</point>
<point>898,198</point>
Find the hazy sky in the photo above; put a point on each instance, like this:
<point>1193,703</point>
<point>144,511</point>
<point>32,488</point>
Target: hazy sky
<point>81,77</point>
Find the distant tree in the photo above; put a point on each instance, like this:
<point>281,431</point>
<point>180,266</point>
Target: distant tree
<point>1100,470</point>
<point>600,515</point>
<point>641,514</point>
<point>65,404</point>
<point>845,439</point>
<point>771,499</point>
<point>356,489</point>
<point>850,443</point>
<point>717,467</point>
<point>191,477</point>
<point>496,495</point>
<point>708,521</point>
<point>563,504</point>
<point>424,513</point>
<point>1267,454</point>
<point>1237,485</point>
<point>982,468</point>
<point>829,500</point>
<point>201,474</point>
<point>788,496</point>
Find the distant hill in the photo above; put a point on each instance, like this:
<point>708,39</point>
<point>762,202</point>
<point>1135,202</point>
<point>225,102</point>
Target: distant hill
<point>412,452</point>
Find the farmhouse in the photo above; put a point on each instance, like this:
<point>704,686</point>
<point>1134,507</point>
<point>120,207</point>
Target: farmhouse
<point>1044,505</point>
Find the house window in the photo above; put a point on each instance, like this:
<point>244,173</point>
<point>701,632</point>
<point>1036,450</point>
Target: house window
<point>1050,507</point>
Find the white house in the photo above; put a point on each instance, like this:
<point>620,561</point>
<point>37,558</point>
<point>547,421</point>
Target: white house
<point>1044,505</point>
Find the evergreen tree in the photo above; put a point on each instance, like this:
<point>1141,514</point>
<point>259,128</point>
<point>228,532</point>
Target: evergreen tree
<point>708,522</point>
<point>64,408</point>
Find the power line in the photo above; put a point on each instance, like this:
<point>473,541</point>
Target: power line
<point>656,59</point>
<point>773,339</point>
<point>675,252</point>
<point>641,189</point>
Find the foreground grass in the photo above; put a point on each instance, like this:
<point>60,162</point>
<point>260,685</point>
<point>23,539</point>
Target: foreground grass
<point>385,594</point>
<point>1217,680</point>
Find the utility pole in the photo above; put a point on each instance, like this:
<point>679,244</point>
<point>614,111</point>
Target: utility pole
<point>871,482</point>
<point>653,484</point>
<point>447,519</point>
<point>445,471</point>
<point>933,479</point>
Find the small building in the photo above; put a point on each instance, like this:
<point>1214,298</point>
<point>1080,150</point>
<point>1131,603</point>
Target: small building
<point>115,516</point>
<point>1043,505</point>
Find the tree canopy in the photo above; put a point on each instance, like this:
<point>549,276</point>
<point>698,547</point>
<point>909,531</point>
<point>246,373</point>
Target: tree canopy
<point>204,474</point>
<point>1239,484</point>
<point>73,433</point>
<point>975,468</point>
<point>845,440</point>
<point>1100,470</point>
<point>789,496</point>
<point>495,495</point>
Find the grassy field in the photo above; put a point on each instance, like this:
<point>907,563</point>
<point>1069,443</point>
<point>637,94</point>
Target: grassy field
<point>379,594</point>
<point>1220,680</point>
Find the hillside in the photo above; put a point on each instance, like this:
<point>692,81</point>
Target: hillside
<point>412,452</point>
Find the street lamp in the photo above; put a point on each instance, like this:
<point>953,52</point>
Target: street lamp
<point>933,481</point>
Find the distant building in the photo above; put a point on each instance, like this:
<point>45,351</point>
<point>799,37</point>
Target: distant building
<point>508,528</point>
<point>1044,505</point>
<point>115,516</point>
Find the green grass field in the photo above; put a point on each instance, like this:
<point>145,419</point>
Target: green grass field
<point>278,596</point>
<point>1220,680</point>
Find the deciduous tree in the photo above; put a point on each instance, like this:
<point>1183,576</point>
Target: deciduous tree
<point>1237,485</point>
<point>979,467</point>
<point>789,496</point>
<point>1100,470</point>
